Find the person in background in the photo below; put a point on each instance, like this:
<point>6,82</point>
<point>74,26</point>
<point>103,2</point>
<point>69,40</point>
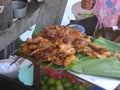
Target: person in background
<point>106,11</point>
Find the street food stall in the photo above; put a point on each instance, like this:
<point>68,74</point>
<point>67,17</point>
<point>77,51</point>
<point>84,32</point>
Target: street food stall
<point>57,57</point>
<point>41,13</point>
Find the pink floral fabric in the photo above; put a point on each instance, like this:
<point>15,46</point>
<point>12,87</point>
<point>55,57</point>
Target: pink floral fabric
<point>107,12</point>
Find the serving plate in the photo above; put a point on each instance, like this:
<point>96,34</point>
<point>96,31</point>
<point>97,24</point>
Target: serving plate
<point>103,82</point>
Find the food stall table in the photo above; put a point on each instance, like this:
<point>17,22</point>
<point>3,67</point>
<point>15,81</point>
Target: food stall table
<point>103,82</point>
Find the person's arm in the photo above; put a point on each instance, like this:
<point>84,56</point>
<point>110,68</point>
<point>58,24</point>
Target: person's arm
<point>119,21</point>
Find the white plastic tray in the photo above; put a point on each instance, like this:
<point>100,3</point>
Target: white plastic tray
<point>103,82</point>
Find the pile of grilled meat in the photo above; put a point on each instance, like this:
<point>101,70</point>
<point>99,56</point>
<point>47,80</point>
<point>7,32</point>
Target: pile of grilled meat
<point>60,44</point>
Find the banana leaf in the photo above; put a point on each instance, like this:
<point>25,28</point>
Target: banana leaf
<point>108,44</point>
<point>109,67</point>
<point>37,30</point>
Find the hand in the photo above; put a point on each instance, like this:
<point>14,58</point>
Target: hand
<point>87,4</point>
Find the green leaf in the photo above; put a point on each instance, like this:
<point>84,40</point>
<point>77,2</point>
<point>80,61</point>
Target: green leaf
<point>109,67</point>
<point>37,30</point>
<point>76,65</point>
<point>108,44</point>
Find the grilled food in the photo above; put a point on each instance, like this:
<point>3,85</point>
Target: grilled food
<point>60,44</point>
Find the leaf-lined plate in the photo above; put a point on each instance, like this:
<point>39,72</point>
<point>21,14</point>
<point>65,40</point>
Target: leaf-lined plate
<point>109,67</point>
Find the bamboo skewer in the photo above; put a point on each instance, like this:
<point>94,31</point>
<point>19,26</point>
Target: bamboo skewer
<point>16,60</point>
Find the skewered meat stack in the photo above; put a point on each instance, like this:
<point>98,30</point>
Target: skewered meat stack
<point>60,44</point>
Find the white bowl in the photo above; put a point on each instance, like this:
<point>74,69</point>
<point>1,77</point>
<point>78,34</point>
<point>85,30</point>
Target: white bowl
<point>7,70</point>
<point>81,13</point>
<point>79,27</point>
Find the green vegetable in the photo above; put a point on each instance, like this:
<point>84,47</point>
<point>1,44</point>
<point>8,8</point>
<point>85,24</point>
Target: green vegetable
<point>76,86</point>
<point>44,87</point>
<point>51,81</point>
<point>70,88</point>
<point>58,82</point>
<point>52,88</point>
<point>64,80</point>
<point>42,82</point>
<point>81,87</point>
<point>45,77</point>
<point>67,84</point>
<point>59,87</point>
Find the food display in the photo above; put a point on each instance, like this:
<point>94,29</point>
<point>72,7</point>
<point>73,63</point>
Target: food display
<point>72,51</point>
<point>59,45</point>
